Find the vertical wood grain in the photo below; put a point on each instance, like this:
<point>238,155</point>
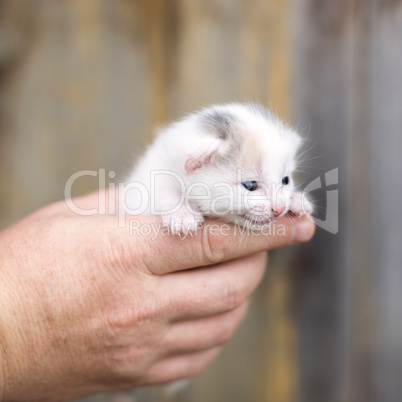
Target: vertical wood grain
<point>385,111</point>
<point>321,269</point>
<point>83,85</point>
<point>281,357</point>
<point>360,229</point>
<point>73,106</point>
<point>160,23</point>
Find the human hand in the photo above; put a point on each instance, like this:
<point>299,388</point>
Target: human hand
<point>86,308</point>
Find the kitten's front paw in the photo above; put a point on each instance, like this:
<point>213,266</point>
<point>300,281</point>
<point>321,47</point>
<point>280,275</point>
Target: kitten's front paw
<point>300,205</point>
<point>183,221</point>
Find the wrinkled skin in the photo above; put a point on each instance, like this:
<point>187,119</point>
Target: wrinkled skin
<point>85,307</point>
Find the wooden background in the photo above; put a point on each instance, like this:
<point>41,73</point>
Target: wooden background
<point>83,84</point>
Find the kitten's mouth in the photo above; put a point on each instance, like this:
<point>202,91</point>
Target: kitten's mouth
<point>258,220</point>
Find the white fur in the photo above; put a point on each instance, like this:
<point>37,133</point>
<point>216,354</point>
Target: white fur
<point>203,157</point>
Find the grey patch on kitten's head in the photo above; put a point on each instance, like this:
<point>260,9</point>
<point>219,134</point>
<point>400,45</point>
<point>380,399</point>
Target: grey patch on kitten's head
<point>219,123</point>
<point>226,126</point>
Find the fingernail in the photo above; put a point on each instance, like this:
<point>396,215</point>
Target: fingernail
<point>302,231</point>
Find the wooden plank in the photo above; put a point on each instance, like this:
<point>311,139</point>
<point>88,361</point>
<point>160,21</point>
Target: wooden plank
<point>320,94</point>
<point>74,107</point>
<point>359,229</point>
<point>160,25</point>
<point>87,82</point>
<point>386,197</point>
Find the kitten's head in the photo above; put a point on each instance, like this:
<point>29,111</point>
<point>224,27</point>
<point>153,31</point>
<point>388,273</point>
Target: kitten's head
<point>238,160</point>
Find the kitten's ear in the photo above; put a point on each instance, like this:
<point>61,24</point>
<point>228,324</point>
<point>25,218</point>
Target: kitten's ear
<point>216,127</point>
<point>205,152</point>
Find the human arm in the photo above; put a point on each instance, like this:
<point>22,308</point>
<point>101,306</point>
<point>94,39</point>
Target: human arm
<point>86,308</point>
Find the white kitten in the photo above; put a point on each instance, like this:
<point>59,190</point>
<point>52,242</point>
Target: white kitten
<point>233,162</point>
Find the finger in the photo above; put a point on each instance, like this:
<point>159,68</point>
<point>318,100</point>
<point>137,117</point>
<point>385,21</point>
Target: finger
<point>181,366</point>
<point>212,290</point>
<point>205,333</point>
<point>217,242</point>
<point>144,240</point>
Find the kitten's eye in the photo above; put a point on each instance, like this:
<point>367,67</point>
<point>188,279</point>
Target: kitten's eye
<point>285,180</point>
<point>250,185</point>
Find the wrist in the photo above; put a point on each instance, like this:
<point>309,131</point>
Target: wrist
<point>3,367</point>
<point>4,329</point>
<point>13,349</point>
<point>11,352</point>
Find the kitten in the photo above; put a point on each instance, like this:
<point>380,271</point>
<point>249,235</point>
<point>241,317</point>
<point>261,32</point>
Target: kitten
<point>233,162</point>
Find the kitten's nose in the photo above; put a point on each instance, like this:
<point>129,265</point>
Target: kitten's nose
<point>279,210</point>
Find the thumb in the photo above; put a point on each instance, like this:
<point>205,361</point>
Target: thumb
<point>160,253</point>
